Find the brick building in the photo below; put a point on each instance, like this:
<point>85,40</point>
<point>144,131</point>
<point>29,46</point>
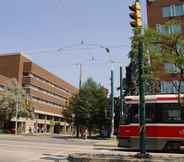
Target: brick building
<point>159,12</point>
<point>48,92</point>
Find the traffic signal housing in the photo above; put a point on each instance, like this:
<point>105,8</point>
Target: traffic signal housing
<point>27,103</point>
<point>67,103</point>
<point>135,15</point>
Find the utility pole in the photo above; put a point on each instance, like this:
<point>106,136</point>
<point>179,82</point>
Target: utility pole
<point>137,25</point>
<point>112,101</point>
<point>121,108</point>
<point>121,93</point>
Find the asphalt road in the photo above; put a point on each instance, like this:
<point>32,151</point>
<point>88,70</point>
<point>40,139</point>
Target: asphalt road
<point>50,149</point>
<point>31,148</point>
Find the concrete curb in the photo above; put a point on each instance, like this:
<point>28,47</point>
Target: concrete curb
<point>118,158</point>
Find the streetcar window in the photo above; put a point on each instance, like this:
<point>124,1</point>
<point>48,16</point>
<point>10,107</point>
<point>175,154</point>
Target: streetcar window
<point>150,112</point>
<point>174,114</point>
<point>155,113</point>
<point>133,113</point>
<point>170,113</point>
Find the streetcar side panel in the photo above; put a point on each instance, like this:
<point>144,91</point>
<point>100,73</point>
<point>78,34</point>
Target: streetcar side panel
<point>158,135</point>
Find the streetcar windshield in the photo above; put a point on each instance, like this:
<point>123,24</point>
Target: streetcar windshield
<point>155,113</point>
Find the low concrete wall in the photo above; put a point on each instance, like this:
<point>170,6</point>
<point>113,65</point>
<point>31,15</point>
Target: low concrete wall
<point>119,158</point>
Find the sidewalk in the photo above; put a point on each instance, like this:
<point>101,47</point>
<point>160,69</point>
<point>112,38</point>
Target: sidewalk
<point>112,142</point>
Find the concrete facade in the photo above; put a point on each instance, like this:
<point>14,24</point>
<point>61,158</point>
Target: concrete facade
<point>48,92</point>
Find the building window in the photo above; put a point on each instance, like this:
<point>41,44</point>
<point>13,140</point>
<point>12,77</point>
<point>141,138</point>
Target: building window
<point>36,88</point>
<point>164,29</point>
<point>39,100</point>
<point>51,84</point>
<point>167,11</point>
<point>167,87</point>
<point>176,28</point>
<point>179,10</point>
<point>170,68</point>
<point>173,10</point>
<point>170,87</point>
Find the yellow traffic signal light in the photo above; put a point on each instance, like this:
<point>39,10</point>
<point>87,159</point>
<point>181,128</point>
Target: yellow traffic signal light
<point>27,103</point>
<point>67,103</point>
<point>136,15</point>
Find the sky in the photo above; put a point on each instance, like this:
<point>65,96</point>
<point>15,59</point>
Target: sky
<point>61,34</point>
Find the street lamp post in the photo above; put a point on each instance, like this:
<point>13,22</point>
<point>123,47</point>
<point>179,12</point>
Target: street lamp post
<point>112,90</point>
<point>80,85</point>
<point>112,101</point>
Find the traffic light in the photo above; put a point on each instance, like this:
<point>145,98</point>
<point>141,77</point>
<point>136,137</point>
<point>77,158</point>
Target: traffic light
<point>67,103</point>
<point>27,103</point>
<point>135,15</point>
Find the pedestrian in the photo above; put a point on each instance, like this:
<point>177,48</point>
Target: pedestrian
<point>34,129</point>
<point>30,130</point>
<point>85,133</point>
<point>81,132</point>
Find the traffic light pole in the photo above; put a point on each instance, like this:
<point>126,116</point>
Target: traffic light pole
<point>137,25</point>
<point>142,101</point>
<point>142,112</point>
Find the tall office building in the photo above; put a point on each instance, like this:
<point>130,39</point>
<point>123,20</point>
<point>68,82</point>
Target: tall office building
<point>159,12</point>
<point>48,92</point>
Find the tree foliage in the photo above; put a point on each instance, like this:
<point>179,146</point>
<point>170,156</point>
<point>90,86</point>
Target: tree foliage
<point>160,48</point>
<point>89,106</point>
<point>132,70</point>
<point>13,94</point>
<point>166,48</point>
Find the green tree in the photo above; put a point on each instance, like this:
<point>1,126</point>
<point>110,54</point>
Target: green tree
<point>132,68</point>
<point>89,106</point>
<point>13,94</point>
<point>166,48</point>
<point>160,48</point>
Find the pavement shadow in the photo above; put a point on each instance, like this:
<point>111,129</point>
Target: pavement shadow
<point>64,137</point>
<point>74,137</point>
<point>114,149</point>
<point>55,158</point>
<point>134,150</point>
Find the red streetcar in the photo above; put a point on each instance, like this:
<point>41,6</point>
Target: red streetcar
<point>164,123</point>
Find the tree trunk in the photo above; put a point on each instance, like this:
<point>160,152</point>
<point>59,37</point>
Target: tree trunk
<point>90,132</point>
<point>77,129</point>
